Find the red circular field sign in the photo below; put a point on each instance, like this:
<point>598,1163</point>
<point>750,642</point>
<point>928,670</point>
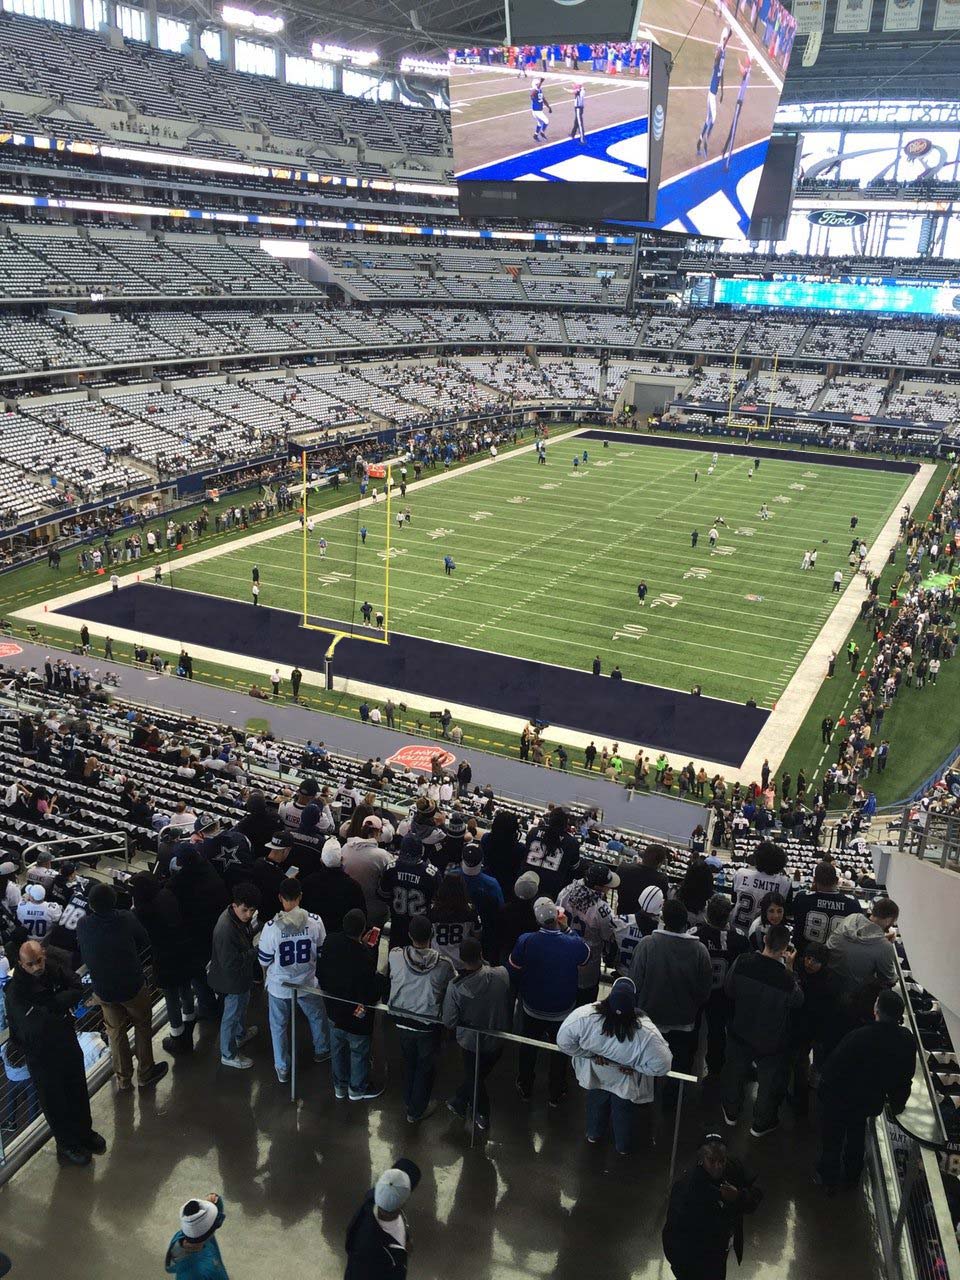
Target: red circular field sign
<point>420,757</point>
<point>8,649</point>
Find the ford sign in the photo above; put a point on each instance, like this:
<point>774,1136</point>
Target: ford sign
<point>836,218</point>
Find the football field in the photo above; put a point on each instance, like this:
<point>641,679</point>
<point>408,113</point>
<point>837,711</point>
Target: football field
<point>548,559</point>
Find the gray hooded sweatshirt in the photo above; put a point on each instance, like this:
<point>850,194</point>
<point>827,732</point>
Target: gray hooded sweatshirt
<point>418,983</point>
<point>860,951</point>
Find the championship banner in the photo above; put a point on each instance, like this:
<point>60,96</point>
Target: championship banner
<point>809,16</point>
<point>853,17</point>
<point>948,16</point>
<point>902,15</point>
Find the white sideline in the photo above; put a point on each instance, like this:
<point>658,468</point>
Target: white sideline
<point>771,743</point>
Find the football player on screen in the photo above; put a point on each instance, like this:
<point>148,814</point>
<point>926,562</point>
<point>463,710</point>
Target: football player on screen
<point>714,92</point>
<point>540,108</point>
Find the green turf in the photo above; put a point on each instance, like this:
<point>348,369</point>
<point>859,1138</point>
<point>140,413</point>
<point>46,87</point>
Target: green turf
<point>548,561</point>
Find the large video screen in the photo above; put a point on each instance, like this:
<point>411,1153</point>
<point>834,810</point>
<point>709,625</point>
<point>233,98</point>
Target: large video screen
<point>892,296</point>
<point>536,114</point>
<point>729,59</point>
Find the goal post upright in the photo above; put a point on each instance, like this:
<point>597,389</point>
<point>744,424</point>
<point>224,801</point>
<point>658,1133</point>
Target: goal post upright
<point>386,560</point>
<point>303,529</point>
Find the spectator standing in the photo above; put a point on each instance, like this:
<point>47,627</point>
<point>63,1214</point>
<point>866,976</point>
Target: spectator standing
<point>817,1024</point>
<point>872,1067</point>
<point>454,918</point>
<point>503,850</point>
<point>40,999</point>
<point>408,885</point>
<point>202,896</point>
<point>111,945</point>
<point>419,977</point>
<point>288,950</point>
<point>478,999</point>
<point>861,949</point>
<point>234,968</point>
<point>330,893</point>
<point>673,976</point>
<point>546,970</point>
<point>589,914</point>
<point>483,891</point>
<point>159,912</point>
<point>517,915</point>
<point>365,862</point>
<point>724,945</point>
<point>378,1237</point>
<point>705,1214</point>
<point>640,874</point>
<point>616,1052</point>
<point>193,1253</point>
<point>347,972</point>
<point>553,853</point>
<point>764,991</point>
<point>815,910</point>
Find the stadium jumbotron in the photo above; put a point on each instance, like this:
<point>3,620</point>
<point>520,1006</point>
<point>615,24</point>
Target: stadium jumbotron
<point>479,514</point>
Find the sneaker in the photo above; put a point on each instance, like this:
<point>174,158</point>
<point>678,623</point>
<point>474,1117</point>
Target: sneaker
<point>592,1140</point>
<point>73,1155</point>
<point>247,1036</point>
<point>728,1118</point>
<point>524,1092</point>
<point>322,1057</point>
<point>239,1061</point>
<point>483,1123</point>
<point>338,1093</point>
<point>282,1076</point>
<point>95,1143</point>
<point>762,1133</point>
<point>457,1110</point>
<point>367,1094</point>
<point>154,1075</point>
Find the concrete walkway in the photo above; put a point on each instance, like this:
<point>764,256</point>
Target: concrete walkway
<point>651,814</point>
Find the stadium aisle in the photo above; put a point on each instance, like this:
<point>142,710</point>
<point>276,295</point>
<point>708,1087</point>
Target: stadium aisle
<point>292,1175</point>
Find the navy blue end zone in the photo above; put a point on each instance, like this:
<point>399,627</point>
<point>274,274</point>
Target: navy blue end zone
<point>612,710</point>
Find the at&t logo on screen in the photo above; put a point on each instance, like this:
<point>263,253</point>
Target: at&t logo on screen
<point>658,117</point>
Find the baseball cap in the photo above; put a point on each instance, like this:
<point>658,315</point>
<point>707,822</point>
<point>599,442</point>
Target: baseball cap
<point>545,909</point>
<point>651,900</point>
<point>528,886</point>
<point>472,859</point>
<point>8,868</point>
<point>372,823</point>
<point>623,996</point>
<point>331,854</point>
<point>392,1190</point>
<point>309,787</point>
<point>206,822</point>
<point>36,892</point>
<point>598,876</point>
<point>280,841</point>
<point>197,1218</point>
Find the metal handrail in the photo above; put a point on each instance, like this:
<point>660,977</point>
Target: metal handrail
<point>40,845</point>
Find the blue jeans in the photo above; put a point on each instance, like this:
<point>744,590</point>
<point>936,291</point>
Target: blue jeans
<point>420,1049</point>
<point>604,1109</point>
<point>350,1060</point>
<point>232,1022</point>
<point>313,1010</point>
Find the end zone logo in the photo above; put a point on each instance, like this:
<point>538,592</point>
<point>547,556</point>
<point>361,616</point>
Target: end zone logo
<point>8,649</point>
<point>421,757</point>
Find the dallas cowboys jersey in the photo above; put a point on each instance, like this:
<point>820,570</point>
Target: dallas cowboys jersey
<point>37,917</point>
<point>288,950</point>
<point>817,915</point>
<point>75,907</point>
<point>409,888</point>
<point>591,917</point>
<point>749,887</point>
<point>724,946</point>
<point>627,932</point>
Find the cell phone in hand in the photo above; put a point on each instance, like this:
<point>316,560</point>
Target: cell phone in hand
<point>372,937</point>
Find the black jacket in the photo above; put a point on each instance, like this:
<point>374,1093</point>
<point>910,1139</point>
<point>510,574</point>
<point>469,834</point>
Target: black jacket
<point>111,944</point>
<point>330,893</point>
<point>163,921</point>
<point>234,965</point>
<point>268,877</point>
<point>372,1253</point>
<point>202,896</point>
<point>40,1012</point>
<point>764,992</point>
<point>700,1225</point>
<point>871,1066</point>
<point>348,969</point>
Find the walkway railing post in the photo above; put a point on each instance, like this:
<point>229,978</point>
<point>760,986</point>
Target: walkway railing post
<point>293,1044</point>
<point>476,1086</point>
<point>676,1133</point>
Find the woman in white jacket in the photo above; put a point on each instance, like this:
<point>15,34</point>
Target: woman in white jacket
<point>616,1051</point>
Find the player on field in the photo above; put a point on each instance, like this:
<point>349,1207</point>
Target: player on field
<point>577,130</point>
<point>322,548</point>
<point>764,511</point>
<point>641,591</point>
<point>714,92</point>
<point>745,68</point>
<point>713,535</point>
<point>448,565</point>
<point>366,610</point>
<point>541,109</point>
